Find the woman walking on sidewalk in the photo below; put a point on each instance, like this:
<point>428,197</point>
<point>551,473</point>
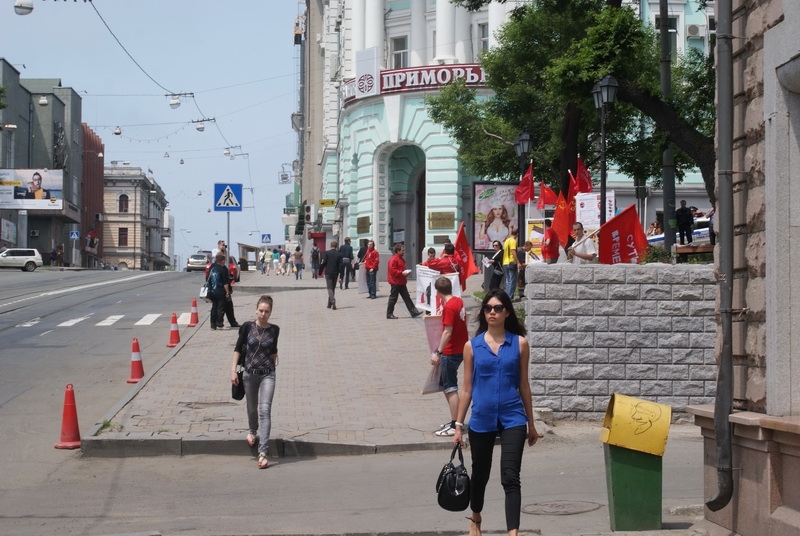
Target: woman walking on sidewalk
<point>496,382</point>
<point>257,350</point>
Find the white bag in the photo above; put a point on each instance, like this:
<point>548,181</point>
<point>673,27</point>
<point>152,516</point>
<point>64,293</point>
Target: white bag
<point>204,292</point>
<point>432,382</point>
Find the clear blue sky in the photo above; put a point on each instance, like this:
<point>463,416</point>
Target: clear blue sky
<point>239,60</point>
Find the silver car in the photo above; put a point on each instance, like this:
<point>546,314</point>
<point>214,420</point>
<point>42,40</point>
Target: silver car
<point>198,261</point>
<point>26,259</point>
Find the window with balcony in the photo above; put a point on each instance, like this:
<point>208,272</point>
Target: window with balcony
<point>123,203</point>
<point>122,235</point>
<point>399,52</point>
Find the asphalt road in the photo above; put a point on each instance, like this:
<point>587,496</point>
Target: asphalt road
<point>74,327</point>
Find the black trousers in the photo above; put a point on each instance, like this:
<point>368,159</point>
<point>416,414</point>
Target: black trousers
<point>402,290</point>
<point>512,443</point>
<point>217,310</point>
<point>685,230</point>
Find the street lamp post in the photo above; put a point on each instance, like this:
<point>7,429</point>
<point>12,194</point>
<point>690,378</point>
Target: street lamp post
<point>604,93</point>
<point>523,147</point>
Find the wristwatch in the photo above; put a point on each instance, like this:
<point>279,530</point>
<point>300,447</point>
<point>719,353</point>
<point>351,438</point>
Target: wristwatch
<point>439,352</point>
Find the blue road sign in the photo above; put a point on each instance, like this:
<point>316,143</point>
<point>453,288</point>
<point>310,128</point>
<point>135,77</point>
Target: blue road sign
<point>266,239</point>
<point>74,235</point>
<point>227,197</point>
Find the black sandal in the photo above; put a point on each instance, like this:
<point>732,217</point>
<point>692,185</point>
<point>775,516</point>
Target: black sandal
<point>476,522</point>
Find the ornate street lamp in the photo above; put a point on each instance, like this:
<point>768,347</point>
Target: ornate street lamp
<point>523,147</point>
<point>604,93</point>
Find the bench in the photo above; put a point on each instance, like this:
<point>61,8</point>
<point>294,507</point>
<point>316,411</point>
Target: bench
<point>691,249</point>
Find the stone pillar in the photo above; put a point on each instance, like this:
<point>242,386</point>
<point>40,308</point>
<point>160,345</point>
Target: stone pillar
<point>445,32</point>
<point>497,16</point>
<point>357,15</point>
<point>463,38</point>
<point>374,28</point>
<point>418,38</point>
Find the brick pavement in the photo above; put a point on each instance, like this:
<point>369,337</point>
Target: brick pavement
<point>348,381</point>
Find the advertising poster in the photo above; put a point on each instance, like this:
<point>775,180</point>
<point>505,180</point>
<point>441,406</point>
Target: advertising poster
<point>496,213</point>
<point>425,297</point>
<point>587,209</point>
<point>38,189</point>
<point>535,234</point>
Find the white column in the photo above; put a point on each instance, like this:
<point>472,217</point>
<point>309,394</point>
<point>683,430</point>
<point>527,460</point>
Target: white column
<point>357,13</point>
<point>445,32</point>
<point>463,38</point>
<point>497,16</point>
<point>418,38</point>
<point>374,27</point>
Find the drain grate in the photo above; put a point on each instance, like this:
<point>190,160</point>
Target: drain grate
<point>560,508</point>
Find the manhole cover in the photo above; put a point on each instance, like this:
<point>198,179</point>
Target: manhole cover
<point>560,508</point>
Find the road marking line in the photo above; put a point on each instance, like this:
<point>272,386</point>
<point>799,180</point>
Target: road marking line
<point>73,321</point>
<point>109,321</point>
<point>147,320</point>
<point>184,318</point>
<point>29,323</point>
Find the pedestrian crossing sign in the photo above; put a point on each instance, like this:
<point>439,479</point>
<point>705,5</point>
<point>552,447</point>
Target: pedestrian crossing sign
<point>228,197</point>
<point>74,235</point>
<point>266,238</point>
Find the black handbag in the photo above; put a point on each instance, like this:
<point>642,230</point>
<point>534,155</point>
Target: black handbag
<point>452,486</point>
<point>237,391</point>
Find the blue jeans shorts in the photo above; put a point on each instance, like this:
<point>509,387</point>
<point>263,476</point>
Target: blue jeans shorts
<point>448,364</point>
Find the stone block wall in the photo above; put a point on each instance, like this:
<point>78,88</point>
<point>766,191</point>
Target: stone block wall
<point>645,331</point>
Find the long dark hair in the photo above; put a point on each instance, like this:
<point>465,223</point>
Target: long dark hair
<point>512,323</point>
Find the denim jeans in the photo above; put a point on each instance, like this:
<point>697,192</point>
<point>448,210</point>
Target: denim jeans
<point>511,279</point>
<point>372,282</point>
<point>259,390</point>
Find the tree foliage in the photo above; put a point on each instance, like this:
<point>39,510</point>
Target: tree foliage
<point>550,54</point>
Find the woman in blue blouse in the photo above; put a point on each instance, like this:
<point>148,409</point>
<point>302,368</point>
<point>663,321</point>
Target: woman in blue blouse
<point>496,382</point>
<point>258,343</point>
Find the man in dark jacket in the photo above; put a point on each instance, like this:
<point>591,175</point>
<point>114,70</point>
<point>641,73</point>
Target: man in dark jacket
<point>219,290</point>
<point>347,263</point>
<point>685,220</point>
<point>331,265</point>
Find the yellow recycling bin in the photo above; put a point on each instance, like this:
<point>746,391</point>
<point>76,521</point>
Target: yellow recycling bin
<point>634,434</point>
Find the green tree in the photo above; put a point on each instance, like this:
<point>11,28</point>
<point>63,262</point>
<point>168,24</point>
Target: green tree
<point>550,54</point>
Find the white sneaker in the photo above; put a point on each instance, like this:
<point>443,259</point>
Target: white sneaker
<point>442,426</point>
<point>448,431</point>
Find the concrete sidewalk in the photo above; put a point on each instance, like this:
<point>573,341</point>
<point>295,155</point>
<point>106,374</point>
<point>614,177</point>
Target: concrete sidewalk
<point>348,381</point>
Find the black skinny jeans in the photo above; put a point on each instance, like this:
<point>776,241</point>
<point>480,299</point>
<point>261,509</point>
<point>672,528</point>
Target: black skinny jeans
<point>512,443</point>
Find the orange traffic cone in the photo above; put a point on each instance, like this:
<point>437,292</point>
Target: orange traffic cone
<point>137,369</point>
<point>193,319</point>
<point>70,434</point>
<point>174,336</point>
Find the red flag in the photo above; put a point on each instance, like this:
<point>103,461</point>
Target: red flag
<point>584,178</point>
<point>466,263</point>
<point>573,190</point>
<point>622,238</point>
<point>524,191</point>
<point>561,224</point>
<point>546,197</point>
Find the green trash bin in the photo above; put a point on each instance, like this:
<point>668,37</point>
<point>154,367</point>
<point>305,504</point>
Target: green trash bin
<point>634,436</point>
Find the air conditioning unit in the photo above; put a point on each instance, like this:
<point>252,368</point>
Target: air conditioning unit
<point>696,31</point>
<point>34,233</point>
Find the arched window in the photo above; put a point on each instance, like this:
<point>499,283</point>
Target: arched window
<point>123,203</point>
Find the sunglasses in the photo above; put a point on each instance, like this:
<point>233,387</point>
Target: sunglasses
<point>496,308</point>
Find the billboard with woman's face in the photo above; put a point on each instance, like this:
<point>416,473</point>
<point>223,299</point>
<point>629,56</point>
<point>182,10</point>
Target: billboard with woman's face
<point>496,213</point>
<point>31,188</point>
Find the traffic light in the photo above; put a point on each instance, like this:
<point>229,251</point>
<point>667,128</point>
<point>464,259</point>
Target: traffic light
<point>301,219</point>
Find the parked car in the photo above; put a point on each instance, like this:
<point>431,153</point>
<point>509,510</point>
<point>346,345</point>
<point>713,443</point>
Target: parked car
<point>26,259</point>
<point>233,269</point>
<point>196,262</point>
<point>207,253</point>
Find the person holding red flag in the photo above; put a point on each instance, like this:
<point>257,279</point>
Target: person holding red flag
<point>550,243</point>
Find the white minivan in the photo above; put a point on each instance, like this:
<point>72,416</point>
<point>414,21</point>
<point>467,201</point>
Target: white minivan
<point>26,259</point>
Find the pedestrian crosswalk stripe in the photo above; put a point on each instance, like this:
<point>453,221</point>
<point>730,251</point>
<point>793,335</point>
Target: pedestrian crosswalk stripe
<point>109,321</point>
<point>184,318</point>
<point>147,320</point>
<point>72,321</point>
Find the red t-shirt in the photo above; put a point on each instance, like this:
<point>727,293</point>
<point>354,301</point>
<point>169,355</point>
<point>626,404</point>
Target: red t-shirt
<point>454,314</point>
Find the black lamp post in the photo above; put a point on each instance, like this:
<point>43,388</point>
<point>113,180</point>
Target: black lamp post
<point>523,147</point>
<point>604,93</point>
